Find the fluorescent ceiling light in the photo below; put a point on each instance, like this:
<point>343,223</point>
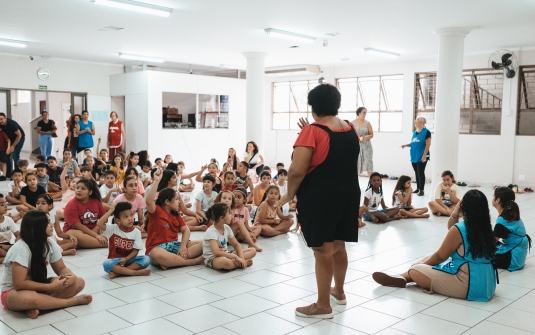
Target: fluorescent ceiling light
<point>136,6</point>
<point>142,58</point>
<point>13,43</point>
<point>289,35</point>
<point>381,53</point>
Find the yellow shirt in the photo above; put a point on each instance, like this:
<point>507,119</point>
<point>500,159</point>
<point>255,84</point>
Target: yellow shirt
<point>120,173</point>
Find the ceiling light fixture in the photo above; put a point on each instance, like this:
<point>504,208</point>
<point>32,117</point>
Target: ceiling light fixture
<point>232,67</point>
<point>383,53</point>
<point>289,35</point>
<point>142,58</point>
<point>136,6</point>
<point>13,43</point>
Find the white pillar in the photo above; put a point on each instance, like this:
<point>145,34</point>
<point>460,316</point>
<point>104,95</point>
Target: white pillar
<point>255,97</point>
<point>445,143</point>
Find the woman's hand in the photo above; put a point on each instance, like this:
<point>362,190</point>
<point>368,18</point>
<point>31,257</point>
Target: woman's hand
<point>303,122</point>
<point>102,240</point>
<point>285,199</point>
<point>424,158</point>
<point>457,211</point>
<point>403,146</point>
<point>183,251</point>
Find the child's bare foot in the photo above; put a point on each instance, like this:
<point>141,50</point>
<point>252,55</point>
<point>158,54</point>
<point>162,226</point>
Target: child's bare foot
<point>199,260</point>
<point>113,275</point>
<point>257,248</point>
<point>32,313</point>
<point>361,224</point>
<point>144,272</point>
<point>438,214</point>
<point>70,252</point>
<point>425,216</point>
<point>163,267</point>
<point>84,299</point>
<point>249,262</point>
<point>253,238</point>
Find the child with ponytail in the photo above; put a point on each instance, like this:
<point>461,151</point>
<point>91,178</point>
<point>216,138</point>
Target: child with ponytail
<point>373,197</point>
<point>513,243</point>
<point>45,203</point>
<point>215,252</point>
<point>269,217</point>
<point>402,198</point>
<point>446,195</point>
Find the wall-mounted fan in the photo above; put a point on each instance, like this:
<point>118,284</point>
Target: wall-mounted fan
<point>506,60</point>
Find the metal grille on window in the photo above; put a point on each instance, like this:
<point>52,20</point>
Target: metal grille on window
<point>526,101</point>
<point>289,103</point>
<point>481,101</point>
<point>381,95</point>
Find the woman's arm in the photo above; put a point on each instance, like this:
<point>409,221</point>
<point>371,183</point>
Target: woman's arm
<point>426,151</point>
<point>260,162</point>
<point>77,130</point>
<point>452,241</point>
<point>297,172</point>
<point>54,127</point>
<point>23,200</point>
<point>20,281</point>
<point>39,131</point>
<point>92,131</point>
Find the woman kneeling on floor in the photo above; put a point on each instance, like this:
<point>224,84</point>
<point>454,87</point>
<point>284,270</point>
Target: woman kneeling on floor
<point>25,285</point>
<point>462,267</point>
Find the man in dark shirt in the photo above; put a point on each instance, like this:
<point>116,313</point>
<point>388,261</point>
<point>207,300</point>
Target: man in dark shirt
<point>16,135</point>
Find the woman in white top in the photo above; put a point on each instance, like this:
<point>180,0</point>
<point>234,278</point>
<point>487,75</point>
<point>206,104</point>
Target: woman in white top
<point>254,157</point>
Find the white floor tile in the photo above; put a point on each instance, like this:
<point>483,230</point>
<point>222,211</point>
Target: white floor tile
<point>461,314</point>
<point>143,311</point>
<point>98,284</point>
<point>229,287</point>
<point>491,328</point>
<point>264,278</point>
<point>201,318</point>
<point>352,301</point>
<point>212,275</point>
<point>45,330</point>
<point>293,269</point>
<point>526,304</point>
<point>415,293</point>
<point>391,331</point>
<point>19,321</point>
<point>138,292</point>
<point>97,323</point>
<point>158,326</point>
<point>368,289</point>
<point>494,305</point>
<point>244,305</point>
<point>398,307</point>
<point>421,324</point>
<point>365,320</point>
<point>281,293</point>
<point>262,324</point>
<point>218,331</point>
<point>326,328</point>
<point>287,312</point>
<point>514,318</point>
<point>179,282</point>
<point>307,282</point>
<point>189,298</point>
<point>101,301</point>
<point>510,291</point>
<point>132,280</point>
<point>517,278</point>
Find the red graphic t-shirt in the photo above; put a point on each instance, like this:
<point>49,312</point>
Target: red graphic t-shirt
<point>114,134</point>
<point>87,214</point>
<point>121,242</point>
<point>163,228</point>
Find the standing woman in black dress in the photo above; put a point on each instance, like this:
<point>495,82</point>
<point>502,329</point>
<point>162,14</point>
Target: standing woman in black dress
<point>46,129</point>
<point>326,153</point>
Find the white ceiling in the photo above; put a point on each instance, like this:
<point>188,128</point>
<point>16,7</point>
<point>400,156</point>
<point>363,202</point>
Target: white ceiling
<point>214,32</point>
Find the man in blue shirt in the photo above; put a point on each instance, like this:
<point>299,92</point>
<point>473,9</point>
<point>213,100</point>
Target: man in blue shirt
<point>16,136</point>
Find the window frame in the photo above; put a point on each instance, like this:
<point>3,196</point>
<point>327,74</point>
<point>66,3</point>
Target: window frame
<point>289,112</point>
<point>519,98</point>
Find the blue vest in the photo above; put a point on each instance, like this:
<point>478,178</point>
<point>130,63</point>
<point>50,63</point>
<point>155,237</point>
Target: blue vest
<point>517,243</point>
<point>481,271</point>
<point>418,145</point>
<point>86,139</point>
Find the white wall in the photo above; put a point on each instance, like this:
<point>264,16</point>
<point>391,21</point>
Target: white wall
<point>54,107</point>
<point>492,159</point>
<point>143,116</point>
<point>21,113</point>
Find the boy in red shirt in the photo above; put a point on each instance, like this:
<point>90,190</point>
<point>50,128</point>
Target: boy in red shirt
<point>5,143</point>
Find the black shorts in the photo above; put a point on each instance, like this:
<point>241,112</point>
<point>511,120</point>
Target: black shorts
<point>4,157</point>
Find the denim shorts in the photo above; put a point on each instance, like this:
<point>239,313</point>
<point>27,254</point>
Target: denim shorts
<point>171,247</point>
<point>365,217</point>
<point>209,262</point>
<point>143,261</point>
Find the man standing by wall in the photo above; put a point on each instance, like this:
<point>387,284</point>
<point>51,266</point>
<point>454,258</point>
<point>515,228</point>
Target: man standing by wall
<point>16,135</point>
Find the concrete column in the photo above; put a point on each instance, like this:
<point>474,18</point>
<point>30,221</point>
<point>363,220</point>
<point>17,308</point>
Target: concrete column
<point>445,143</point>
<point>255,97</point>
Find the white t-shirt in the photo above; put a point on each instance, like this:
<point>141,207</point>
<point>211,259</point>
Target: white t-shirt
<point>374,200</point>
<point>120,242</point>
<point>144,175</point>
<point>139,169</point>
<point>283,189</point>
<point>7,228</point>
<point>20,253</point>
<point>104,190</point>
<point>213,234</point>
<point>206,201</point>
<point>440,193</point>
<point>11,187</point>
<point>254,159</point>
<point>399,203</point>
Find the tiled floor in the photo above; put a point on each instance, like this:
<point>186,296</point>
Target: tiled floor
<point>261,299</point>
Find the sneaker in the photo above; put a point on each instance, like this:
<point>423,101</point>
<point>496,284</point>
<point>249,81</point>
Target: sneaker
<point>416,192</point>
<point>339,299</point>
<point>3,178</point>
<point>389,280</point>
<point>311,311</point>
<point>421,193</point>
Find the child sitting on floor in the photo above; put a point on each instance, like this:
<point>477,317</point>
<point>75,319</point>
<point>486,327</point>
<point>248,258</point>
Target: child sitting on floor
<point>29,193</point>
<point>243,180</point>
<point>8,228</point>
<point>132,172</point>
<point>86,172</point>
<point>240,220</point>
<point>136,201</point>
<point>215,252</point>
<point>205,198</point>
<point>124,243</point>
<point>14,187</point>
<point>110,190</point>
<point>269,217</point>
<point>23,165</point>
<point>373,197</point>
<point>213,170</point>
<point>402,198</point>
<point>260,189</point>
<point>54,172</point>
<point>185,187</point>
<point>43,179</point>
<point>118,167</point>
<point>281,182</point>
<point>446,195</point>
<point>67,191</point>
<point>145,177</point>
<point>230,182</point>
<point>45,203</point>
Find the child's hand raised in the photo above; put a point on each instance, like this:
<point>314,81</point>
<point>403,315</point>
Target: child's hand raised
<point>100,139</point>
<point>158,175</point>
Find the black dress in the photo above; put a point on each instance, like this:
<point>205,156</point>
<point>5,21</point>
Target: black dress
<point>329,196</point>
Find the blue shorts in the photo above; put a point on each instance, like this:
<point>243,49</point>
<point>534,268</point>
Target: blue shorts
<point>171,247</point>
<point>141,260</point>
<point>367,218</point>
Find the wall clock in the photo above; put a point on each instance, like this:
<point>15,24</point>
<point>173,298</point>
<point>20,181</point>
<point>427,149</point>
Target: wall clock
<point>43,73</point>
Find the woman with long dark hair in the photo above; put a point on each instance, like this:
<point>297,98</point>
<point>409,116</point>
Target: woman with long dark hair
<point>254,157</point>
<point>25,284</point>
<point>231,163</point>
<point>463,266</point>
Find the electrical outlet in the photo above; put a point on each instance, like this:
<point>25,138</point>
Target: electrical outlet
<point>522,178</point>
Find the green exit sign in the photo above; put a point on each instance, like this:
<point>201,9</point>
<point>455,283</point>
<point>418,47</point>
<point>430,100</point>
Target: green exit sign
<point>43,87</point>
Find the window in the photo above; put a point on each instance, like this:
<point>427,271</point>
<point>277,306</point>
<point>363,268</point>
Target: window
<point>289,103</point>
<point>381,95</point>
<point>481,101</point>
<point>526,101</point>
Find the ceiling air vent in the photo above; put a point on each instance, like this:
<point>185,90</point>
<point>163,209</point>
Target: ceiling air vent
<point>293,70</point>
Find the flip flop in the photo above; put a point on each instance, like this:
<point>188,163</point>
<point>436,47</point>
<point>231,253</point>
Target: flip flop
<point>474,185</point>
